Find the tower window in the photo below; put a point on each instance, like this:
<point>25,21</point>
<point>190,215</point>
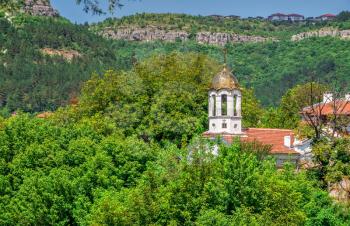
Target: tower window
<point>224,105</point>
<point>214,105</point>
<point>235,105</point>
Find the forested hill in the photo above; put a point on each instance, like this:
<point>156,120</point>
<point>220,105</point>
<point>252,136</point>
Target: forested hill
<point>44,60</point>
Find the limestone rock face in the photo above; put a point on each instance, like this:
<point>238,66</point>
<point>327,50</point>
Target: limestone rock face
<point>345,34</point>
<point>68,55</point>
<point>144,34</point>
<point>39,8</point>
<point>224,38</point>
<point>154,33</point>
<point>325,32</point>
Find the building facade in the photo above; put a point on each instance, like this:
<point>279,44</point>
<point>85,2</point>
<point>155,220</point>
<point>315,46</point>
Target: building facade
<point>286,17</point>
<point>326,17</point>
<point>278,17</point>
<point>295,17</point>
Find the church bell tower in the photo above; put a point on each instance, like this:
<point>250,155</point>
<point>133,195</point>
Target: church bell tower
<point>225,100</point>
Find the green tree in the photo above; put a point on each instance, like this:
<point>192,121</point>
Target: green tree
<point>287,115</point>
<point>234,188</point>
<point>343,16</point>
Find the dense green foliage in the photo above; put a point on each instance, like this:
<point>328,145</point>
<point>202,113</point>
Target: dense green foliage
<point>164,98</point>
<point>51,174</point>
<point>87,173</point>
<point>269,68</point>
<point>287,114</point>
<point>343,16</point>
<point>32,81</point>
<point>233,189</point>
<point>127,153</point>
<point>333,161</point>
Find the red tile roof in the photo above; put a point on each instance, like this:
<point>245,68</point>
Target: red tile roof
<point>340,107</point>
<point>274,137</point>
<point>328,15</point>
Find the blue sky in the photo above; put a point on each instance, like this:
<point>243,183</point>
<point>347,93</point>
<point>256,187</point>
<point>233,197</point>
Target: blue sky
<point>244,8</point>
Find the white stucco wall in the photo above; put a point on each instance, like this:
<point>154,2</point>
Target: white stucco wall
<point>232,119</point>
<point>304,148</point>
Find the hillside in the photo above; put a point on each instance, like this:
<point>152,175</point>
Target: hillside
<point>270,57</point>
<point>42,72</point>
<point>130,150</point>
<point>130,153</point>
<point>269,68</point>
<point>184,27</point>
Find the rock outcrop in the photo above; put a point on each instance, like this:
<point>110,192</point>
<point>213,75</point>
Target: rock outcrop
<point>68,55</point>
<point>144,34</point>
<point>224,38</point>
<point>39,8</point>
<point>325,32</point>
<point>154,33</point>
<point>340,191</point>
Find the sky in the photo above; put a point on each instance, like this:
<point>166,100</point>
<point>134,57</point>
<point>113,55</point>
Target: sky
<point>243,8</point>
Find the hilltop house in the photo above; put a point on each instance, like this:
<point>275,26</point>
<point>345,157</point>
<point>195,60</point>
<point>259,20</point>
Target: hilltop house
<point>232,17</point>
<point>225,121</point>
<point>326,17</point>
<point>296,17</point>
<point>286,17</point>
<point>216,16</point>
<point>278,17</point>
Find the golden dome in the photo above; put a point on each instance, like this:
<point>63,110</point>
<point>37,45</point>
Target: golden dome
<point>224,80</point>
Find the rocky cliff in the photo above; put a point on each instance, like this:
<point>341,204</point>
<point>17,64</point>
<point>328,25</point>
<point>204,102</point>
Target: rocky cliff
<point>154,33</point>
<point>224,38</point>
<point>68,55</point>
<point>144,34</point>
<point>39,8</point>
<point>325,32</point>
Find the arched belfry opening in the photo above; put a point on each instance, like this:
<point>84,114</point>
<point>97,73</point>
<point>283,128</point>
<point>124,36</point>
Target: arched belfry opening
<point>223,104</point>
<point>212,105</point>
<point>225,100</point>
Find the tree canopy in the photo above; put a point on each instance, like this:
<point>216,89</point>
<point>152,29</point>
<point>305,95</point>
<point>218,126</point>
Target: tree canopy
<point>129,151</point>
<point>87,172</point>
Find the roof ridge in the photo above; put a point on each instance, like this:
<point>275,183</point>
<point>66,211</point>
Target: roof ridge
<point>275,129</point>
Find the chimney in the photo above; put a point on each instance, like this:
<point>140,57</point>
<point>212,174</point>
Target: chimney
<point>327,97</point>
<point>288,141</point>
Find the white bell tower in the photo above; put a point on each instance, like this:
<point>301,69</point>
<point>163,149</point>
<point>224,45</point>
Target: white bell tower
<point>225,101</point>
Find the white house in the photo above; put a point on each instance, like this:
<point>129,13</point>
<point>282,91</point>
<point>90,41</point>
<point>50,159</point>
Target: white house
<point>278,17</point>
<point>286,17</point>
<point>326,17</point>
<point>295,17</point>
